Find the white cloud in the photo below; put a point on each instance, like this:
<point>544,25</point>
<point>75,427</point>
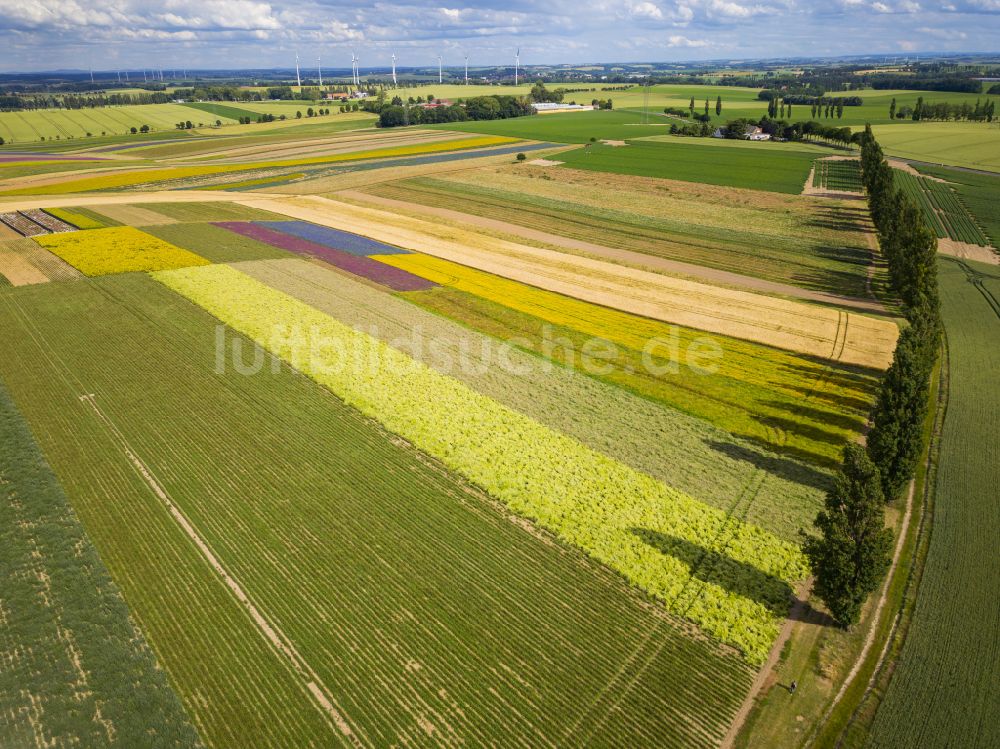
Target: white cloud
<point>683,41</point>
<point>947,34</point>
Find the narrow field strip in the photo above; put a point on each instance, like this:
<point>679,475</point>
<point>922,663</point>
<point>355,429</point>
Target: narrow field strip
<point>629,521</point>
<point>776,322</point>
<point>435,615</point>
<point>23,262</point>
<point>686,453</point>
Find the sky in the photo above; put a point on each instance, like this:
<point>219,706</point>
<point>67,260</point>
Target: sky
<point>207,34</point>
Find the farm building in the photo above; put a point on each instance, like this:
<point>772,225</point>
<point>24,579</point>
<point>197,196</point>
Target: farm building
<point>552,106</point>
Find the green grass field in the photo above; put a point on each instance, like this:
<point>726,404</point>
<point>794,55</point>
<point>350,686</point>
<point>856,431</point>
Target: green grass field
<point>974,145</point>
<point>75,669</point>
<point>20,127</point>
<point>389,587</point>
<point>571,127</point>
<point>944,678</point>
<point>784,171</point>
<point>792,243</point>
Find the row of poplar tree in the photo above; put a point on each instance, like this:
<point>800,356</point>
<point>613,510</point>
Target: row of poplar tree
<point>853,551</point>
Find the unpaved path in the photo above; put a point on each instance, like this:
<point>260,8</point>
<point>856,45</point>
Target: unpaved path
<point>795,615</point>
<point>795,618</point>
<point>628,257</point>
<point>968,251</point>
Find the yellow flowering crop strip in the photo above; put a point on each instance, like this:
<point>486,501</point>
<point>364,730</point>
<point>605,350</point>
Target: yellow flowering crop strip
<point>117,249</point>
<point>730,578</point>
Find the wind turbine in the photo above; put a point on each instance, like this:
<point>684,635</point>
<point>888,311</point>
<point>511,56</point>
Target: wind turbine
<point>144,76</point>
<point>298,76</point>
<point>355,73</point>
<point>466,70</point>
<point>517,63</point>
<point>393,68</point>
<point>440,78</point>
<point>319,69</point>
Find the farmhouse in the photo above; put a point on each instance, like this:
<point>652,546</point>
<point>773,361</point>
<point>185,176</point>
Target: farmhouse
<point>545,107</point>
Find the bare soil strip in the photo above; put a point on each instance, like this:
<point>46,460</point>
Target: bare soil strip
<point>277,639</point>
<point>783,323</point>
<point>636,259</point>
<point>968,251</point>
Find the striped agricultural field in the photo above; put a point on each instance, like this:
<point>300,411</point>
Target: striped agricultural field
<point>305,580</point>
<point>809,329</point>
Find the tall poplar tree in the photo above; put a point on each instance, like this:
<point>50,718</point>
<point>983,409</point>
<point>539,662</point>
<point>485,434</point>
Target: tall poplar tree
<point>853,552</point>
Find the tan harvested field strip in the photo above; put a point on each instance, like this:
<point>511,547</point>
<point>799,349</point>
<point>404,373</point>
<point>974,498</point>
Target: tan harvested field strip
<point>6,233</point>
<point>23,262</point>
<point>628,257</point>
<point>15,268</point>
<point>817,331</point>
<point>134,215</point>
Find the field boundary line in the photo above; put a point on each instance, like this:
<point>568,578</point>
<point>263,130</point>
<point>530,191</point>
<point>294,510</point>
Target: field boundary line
<point>279,641</point>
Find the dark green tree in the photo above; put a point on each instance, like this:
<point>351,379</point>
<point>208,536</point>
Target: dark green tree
<point>706,107</point>
<point>691,106</point>
<point>718,106</point>
<point>892,109</point>
<point>853,552</point>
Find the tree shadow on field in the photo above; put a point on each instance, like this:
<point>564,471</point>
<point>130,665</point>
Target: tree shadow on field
<point>729,574</point>
<point>784,468</point>
<point>846,421</point>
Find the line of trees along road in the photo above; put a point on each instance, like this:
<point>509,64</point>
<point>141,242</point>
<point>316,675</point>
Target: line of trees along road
<point>853,550</point>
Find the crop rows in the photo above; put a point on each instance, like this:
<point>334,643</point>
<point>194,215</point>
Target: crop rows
<point>658,538</point>
<point>944,212</point>
<point>843,175</point>
<point>118,249</point>
<point>74,666</point>
<point>428,615</point>
<point>686,453</point>
<point>979,194</point>
<point>957,221</point>
<point>943,691</point>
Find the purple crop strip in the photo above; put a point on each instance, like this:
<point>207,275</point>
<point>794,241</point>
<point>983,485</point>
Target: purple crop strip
<point>387,275</point>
